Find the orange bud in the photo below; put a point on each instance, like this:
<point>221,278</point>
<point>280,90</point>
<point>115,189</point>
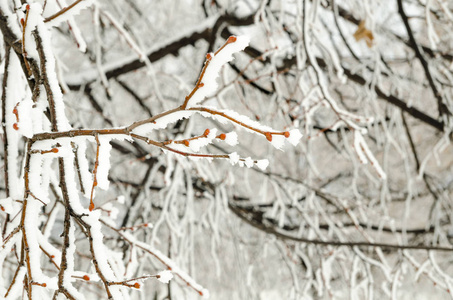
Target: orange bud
<point>2,208</point>
<point>22,22</point>
<point>268,136</point>
<point>208,56</point>
<point>52,256</point>
<point>28,7</point>
<point>137,285</point>
<point>231,39</point>
<point>186,143</point>
<point>15,126</point>
<point>95,183</point>
<point>222,136</point>
<point>91,207</point>
<point>145,225</point>
<point>286,134</point>
<point>201,85</point>
<point>54,150</point>
<point>200,292</point>
<point>44,284</point>
<point>206,132</point>
<point>15,108</point>
<point>86,277</point>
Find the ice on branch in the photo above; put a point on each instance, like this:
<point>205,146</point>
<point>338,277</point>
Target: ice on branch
<point>69,14</point>
<point>163,122</point>
<point>164,276</point>
<point>275,137</point>
<point>196,144</point>
<point>34,26</point>
<point>55,19</point>
<point>365,155</point>
<point>86,177</point>
<point>214,62</point>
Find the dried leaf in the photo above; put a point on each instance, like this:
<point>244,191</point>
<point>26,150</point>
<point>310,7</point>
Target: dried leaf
<point>363,33</point>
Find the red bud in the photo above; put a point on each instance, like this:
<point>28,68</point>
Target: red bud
<point>231,39</point>
<point>268,136</point>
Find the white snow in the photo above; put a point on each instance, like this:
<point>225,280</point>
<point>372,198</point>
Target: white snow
<point>70,251</point>
<point>33,19</point>
<point>121,199</point>
<point>62,121</point>
<point>213,68</point>
<point>294,137</point>
<point>364,153</point>
<point>69,14</point>
<point>234,158</point>
<point>231,138</point>
<point>14,92</point>
<point>24,110</point>
<point>262,164</point>
<point>168,262</point>
<point>248,162</point>
<point>196,144</point>
<point>17,288</point>
<point>165,276</point>
<point>104,162</point>
<point>162,122</point>
<point>11,19</point>
<point>85,175</point>
<point>90,75</point>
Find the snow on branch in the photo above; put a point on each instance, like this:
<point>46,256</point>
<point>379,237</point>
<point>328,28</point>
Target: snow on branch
<point>67,12</point>
<point>69,148</point>
<point>77,207</point>
<point>207,82</point>
<point>365,155</point>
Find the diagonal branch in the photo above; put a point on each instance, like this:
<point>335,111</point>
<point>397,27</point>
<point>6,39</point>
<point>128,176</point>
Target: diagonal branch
<point>443,109</point>
<point>270,230</point>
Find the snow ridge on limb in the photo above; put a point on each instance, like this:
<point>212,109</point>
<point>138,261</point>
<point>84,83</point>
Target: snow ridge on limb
<point>365,155</point>
<point>207,83</point>
<point>169,263</point>
<point>69,147</point>
<point>207,86</point>
<point>67,13</point>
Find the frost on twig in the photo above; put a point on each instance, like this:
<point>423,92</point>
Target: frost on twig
<point>57,172</point>
<point>193,179</point>
<point>207,82</point>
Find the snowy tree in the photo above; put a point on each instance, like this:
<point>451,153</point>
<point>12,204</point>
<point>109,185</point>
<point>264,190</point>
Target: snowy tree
<point>240,149</point>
